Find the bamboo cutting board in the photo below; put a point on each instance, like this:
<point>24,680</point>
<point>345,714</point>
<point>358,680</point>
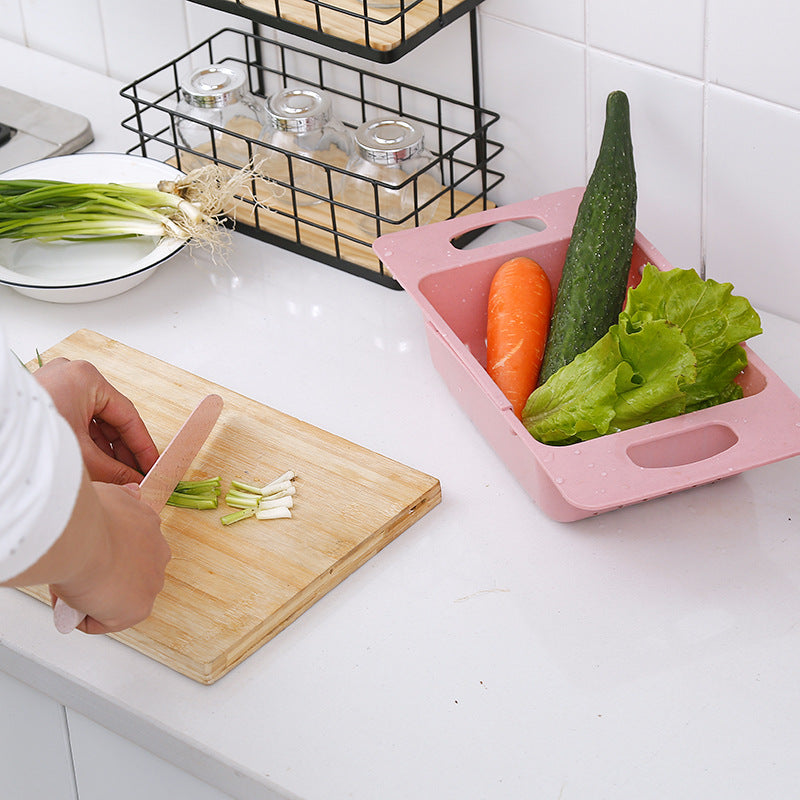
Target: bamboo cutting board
<point>230,589</point>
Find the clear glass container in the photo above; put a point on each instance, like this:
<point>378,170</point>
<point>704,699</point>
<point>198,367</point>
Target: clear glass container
<point>388,151</point>
<point>218,95</point>
<point>301,124</point>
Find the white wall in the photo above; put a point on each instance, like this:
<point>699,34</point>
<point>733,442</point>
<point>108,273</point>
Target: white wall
<point>714,88</point>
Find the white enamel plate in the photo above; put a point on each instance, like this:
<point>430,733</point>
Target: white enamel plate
<point>79,272</point>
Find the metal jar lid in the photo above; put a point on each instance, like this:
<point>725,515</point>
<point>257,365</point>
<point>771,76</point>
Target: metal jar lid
<point>213,86</point>
<point>389,140</point>
<point>298,110</point>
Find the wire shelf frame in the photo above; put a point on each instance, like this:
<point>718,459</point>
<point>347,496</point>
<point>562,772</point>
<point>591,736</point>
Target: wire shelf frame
<point>358,27</point>
<point>319,222</point>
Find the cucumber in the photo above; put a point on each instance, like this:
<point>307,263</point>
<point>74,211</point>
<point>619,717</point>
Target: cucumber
<point>593,284</point>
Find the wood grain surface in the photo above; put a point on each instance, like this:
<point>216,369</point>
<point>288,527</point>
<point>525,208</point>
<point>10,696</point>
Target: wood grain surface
<point>324,226</point>
<point>380,29</point>
<point>229,590</point>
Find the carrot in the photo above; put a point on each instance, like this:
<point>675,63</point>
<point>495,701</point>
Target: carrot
<point>520,305</point>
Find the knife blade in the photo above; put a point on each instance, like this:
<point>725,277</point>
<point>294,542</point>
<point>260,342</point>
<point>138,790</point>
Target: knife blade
<point>171,466</point>
<point>160,481</point>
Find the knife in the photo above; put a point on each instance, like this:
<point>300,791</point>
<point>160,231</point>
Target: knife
<point>159,483</point>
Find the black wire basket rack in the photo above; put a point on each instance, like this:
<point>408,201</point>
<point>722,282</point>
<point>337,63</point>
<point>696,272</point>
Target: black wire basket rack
<point>273,209</point>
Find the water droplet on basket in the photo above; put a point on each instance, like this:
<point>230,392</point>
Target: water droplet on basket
<point>559,480</point>
<point>388,253</point>
<point>577,452</point>
<point>590,465</point>
<point>549,456</point>
<point>604,474</point>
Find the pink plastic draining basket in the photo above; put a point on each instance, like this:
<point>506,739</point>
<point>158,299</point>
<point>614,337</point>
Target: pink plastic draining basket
<point>568,483</point>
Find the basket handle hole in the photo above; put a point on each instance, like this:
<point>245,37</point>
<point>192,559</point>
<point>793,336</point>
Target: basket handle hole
<point>506,231</point>
<point>687,447</point>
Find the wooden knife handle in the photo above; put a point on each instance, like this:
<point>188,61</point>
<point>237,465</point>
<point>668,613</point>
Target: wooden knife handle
<point>65,617</point>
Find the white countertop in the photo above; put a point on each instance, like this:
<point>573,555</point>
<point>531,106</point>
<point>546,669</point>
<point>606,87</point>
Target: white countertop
<point>488,652</point>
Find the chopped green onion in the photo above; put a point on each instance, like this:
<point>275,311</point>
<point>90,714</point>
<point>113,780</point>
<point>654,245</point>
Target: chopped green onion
<point>281,479</point>
<point>181,500</point>
<point>276,502</point>
<point>245,487</point>
<point>200,494</point>
<point>272,501</point>
<point>273,513</point>
<point>281,489</point>
<point>241,502</point>
<point>243,513</point>
<point>200,487</point>
<point>238,493</point>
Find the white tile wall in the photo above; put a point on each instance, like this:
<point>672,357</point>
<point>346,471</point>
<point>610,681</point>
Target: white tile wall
<point>714,88</point>
<point>203,21</point>
<point>11,26</point>
<point>564,18</point>
<point>752,207</point>
<point>142,36</point>
<point>536,82</point>
<point>753,47</point>
<point>72,31</point>
<point>669,35</point>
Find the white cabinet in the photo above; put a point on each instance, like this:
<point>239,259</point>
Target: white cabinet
<point>48,751</point>
<point>35,759</point>
<point>109,766</point>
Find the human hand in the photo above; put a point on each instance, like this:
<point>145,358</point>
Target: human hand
<point>114,441</point>
<point>117,580</point>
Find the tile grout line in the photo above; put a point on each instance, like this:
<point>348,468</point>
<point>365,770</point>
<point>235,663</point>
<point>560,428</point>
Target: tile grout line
<point>704,147</point>
<point>586,94</point>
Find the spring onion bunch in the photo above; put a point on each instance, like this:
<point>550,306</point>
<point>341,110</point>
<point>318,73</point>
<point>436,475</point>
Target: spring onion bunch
<point>188,208</point>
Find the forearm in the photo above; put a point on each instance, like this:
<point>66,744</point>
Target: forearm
<point>40,470</point>
<point>109,561</point>
<point>96,544</point>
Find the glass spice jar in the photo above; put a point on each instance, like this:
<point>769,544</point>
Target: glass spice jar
<point>389,182</point>
<point>306,136</point>
<point>217,95</point>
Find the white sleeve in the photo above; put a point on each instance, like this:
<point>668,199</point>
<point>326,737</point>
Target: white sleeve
<point>40,468</point>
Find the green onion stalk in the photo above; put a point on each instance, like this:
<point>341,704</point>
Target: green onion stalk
<point>188,208</point>
<point>198,494</point>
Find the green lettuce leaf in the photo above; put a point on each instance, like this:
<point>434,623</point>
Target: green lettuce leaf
<point>676,348</point>
<point>714,321</point>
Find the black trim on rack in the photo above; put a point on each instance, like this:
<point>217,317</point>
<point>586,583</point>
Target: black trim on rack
<point>316,34</point>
